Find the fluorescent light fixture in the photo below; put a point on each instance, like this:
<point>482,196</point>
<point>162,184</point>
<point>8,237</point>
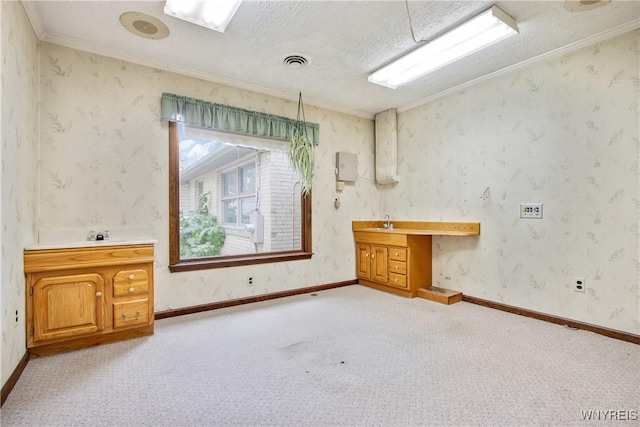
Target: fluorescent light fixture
<point>484,30</point>
<point>213,14</point>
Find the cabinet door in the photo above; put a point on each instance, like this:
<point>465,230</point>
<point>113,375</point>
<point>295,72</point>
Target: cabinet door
<point>363,260</point>
<point>67,306</point>
<point>379,263</point>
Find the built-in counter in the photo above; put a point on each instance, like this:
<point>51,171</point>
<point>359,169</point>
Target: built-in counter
<point>81,293</point>
<point>398,259</point>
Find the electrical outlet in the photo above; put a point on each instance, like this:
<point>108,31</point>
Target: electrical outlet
<point>579,285</point>
<point>250,281</point>
<point>531,210</point>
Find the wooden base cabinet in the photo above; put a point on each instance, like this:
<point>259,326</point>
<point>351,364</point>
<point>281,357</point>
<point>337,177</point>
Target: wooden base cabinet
<point>87,296</point>
<point>393,262</point>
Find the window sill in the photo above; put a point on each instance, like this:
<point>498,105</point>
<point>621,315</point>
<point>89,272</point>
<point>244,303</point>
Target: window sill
<point>235,261</point>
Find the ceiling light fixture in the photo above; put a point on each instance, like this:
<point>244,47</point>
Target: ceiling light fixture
<point>484,30</point>
<point>213,14</point>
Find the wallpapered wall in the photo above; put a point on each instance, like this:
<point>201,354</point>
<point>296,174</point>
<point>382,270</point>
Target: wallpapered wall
<point>564,133</point>
<point>104,156</point>
<point>19,177</point>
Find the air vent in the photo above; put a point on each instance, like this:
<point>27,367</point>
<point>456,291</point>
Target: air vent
<point>583,5</point>
<point>295,61</point>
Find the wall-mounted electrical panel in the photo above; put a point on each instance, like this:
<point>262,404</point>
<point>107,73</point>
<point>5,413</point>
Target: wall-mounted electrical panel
<point>346,167</point>
<point>256,221</point>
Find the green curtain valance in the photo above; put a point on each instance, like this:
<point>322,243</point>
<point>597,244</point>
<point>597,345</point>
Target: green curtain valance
<point>208,115</point>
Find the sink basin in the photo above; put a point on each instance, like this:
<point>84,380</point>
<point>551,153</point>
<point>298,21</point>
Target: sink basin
<point>65,238</point>
<point>89,244</point>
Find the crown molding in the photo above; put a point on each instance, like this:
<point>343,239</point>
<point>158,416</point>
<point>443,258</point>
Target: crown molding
<point>192,72</point>
<point>34,18</point>
<point>616,31</point>
<point>39,31</point>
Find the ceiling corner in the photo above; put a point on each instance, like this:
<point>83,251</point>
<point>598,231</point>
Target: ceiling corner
<point>34,18</point>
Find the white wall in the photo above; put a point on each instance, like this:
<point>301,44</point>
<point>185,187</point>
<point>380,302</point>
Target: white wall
<point>19,164</point>
<point>104,157</point>
<point>564,133</point>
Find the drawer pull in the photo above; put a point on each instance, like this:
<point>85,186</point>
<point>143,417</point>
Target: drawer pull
<point>98,294</point>
<point>124,317</point>
<point>131,277</point>
<point>395,267</point>
<point>396,280</point>
<point>367,255</point>
<point>397,254</point>
<point>373,256</point>
<point>132,289</point>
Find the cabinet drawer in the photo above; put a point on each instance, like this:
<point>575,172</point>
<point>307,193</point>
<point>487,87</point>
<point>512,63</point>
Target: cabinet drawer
<point>130,313</point>
<point>398,254</point>
<point>398,280</point>
<point>398,267</point>
<point>130,282</point>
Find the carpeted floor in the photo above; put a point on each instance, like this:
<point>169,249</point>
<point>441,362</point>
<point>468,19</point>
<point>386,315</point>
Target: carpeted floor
<point>347,356</point>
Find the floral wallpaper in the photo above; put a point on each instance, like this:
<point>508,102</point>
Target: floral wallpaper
<point>19,176</point>
<point>104,157</point>
<point>564,133</point>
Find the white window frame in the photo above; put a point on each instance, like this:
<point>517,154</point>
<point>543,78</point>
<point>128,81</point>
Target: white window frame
<point>238,197</point>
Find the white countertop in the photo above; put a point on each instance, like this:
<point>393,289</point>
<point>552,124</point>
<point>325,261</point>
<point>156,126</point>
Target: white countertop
<point>67,238</point>
<point>88,244</point>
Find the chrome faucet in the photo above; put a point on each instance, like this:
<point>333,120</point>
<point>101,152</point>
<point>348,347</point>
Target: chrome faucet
<point>388,225</point>
<point>99,235</point>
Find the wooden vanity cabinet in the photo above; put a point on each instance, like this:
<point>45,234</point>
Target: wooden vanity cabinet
<point>80,297</point>
<point>393,262</point>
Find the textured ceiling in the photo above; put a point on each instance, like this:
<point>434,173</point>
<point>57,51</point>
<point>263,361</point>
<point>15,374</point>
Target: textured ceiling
<point>343,40</point>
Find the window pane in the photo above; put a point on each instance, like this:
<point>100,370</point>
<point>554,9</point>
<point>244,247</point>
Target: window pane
<point>230,184</point>
<point>247,206</point>
<point>227,174</point>
<point>248,179</point>
<point>229,212</point>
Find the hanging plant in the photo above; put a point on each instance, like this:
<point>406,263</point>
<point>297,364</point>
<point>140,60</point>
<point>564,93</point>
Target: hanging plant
<point>301,151</point>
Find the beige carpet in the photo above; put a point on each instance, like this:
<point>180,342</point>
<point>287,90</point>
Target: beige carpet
<point>348,356</point>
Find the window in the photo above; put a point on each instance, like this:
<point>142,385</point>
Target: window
<point>234,197</point>
<point>248,208</point>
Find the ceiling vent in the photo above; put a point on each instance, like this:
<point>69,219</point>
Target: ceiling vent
<point>295,61</point>
<point>143,25</point>
<point>583,5</point>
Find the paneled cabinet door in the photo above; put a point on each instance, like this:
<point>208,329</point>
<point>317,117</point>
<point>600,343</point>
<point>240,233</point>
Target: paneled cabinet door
<point>379,260</point>
<point>68,306</point>
<point>363,261</point>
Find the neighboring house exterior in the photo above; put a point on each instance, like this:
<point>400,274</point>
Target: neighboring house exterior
<point>254,194</point>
